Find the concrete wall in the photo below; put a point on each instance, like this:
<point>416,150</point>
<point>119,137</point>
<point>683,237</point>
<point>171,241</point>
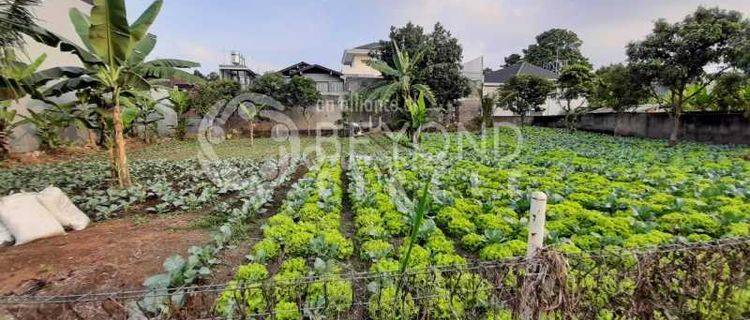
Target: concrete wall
<point>709,127</point>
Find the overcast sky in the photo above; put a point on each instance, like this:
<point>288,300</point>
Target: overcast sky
<point>275,34</point>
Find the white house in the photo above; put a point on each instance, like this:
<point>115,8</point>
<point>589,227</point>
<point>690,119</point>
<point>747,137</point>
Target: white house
<point>494,80</point>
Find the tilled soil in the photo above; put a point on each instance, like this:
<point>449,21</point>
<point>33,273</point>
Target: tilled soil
<point>108,256</point>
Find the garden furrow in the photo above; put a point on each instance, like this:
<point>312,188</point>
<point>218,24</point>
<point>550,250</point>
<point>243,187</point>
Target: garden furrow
<point>304,239</point>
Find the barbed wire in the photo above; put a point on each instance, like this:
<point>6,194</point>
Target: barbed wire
<point>352,277</point>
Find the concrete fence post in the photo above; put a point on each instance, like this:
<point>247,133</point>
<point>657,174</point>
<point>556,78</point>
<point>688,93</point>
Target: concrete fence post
<point>537,219</point>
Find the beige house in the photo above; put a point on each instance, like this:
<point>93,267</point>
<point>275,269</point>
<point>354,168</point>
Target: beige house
<point>354,68</point>
<point>52,15</point>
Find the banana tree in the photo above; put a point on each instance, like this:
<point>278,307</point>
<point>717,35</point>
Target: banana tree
<point>113,54</point>
<point>7,124</point>
<point>181,106</point>
<point>400,88</point>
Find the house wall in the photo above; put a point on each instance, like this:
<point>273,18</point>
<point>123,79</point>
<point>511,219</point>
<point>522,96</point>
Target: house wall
<point>709,127</point>
<point>359,67</point>
<point>552,106</point>
<point>53,15</point>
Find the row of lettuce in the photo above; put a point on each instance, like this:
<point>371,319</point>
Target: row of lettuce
<point>302,266</point>
<point>303,239</point>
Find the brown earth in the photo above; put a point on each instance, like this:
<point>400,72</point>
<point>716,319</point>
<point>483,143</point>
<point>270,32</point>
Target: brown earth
<point>108,256</point>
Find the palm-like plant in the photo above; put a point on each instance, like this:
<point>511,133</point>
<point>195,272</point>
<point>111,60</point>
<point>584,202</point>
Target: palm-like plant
<point>7,124</point>
<point>401,88</point>
<point>114,60</point>
<point>15,18</point>
<point>181,105</point>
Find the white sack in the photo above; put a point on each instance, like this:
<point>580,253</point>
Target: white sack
<point>27,219</point>
<point>60,206</point>
<point>5,237</point>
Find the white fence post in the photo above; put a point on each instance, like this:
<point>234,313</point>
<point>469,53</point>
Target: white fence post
<point>537,219</point>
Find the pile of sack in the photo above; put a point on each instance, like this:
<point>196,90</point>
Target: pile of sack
<point>25,217</point>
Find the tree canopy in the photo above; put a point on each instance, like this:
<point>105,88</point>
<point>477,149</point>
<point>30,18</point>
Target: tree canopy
<point>439,69</point>
<point>616,87</point>
<point>555,43</point>
<point>297,91</point>
<point>525,93</point>
<point>676,55</point>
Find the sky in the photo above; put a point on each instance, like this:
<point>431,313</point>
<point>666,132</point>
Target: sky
<point>275,34</point>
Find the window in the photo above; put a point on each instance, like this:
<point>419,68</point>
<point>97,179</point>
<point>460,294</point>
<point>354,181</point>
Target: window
<point>336,87</point>
<point>322,86</point>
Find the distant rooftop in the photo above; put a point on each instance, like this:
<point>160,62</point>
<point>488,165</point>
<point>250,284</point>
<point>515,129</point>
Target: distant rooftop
<point>304,67</point>
<point>370,46</point>
<point>360,50</point>
<point>502,75</point>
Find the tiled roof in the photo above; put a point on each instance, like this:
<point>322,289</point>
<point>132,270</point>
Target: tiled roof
<point>304,67</point>
<point>502,75</point>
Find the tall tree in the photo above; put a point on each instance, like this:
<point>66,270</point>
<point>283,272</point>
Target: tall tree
<point>439,69</point>
<point>676,55</point>
<point>574,83</point>
<point>616,87</point>
<point>553,46</point>
<point>512,59</point>
<point>525,93</point>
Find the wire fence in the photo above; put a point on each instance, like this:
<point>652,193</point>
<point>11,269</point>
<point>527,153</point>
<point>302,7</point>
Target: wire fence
<point>680,281</point>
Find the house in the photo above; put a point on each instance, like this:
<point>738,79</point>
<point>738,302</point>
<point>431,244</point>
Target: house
<point>329,82</point>
<point>494,80</point>
<point>237,71</point>
<point>355,69</point>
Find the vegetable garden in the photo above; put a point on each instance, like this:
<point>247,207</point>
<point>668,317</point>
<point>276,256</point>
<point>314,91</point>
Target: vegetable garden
<point>634,229</point>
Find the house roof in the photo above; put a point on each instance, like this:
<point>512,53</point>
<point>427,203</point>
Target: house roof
<point>502,75</point>
<point>370,46</point>
<point>236,67</point>
<point>360,50</point>
<point>304,67</point>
